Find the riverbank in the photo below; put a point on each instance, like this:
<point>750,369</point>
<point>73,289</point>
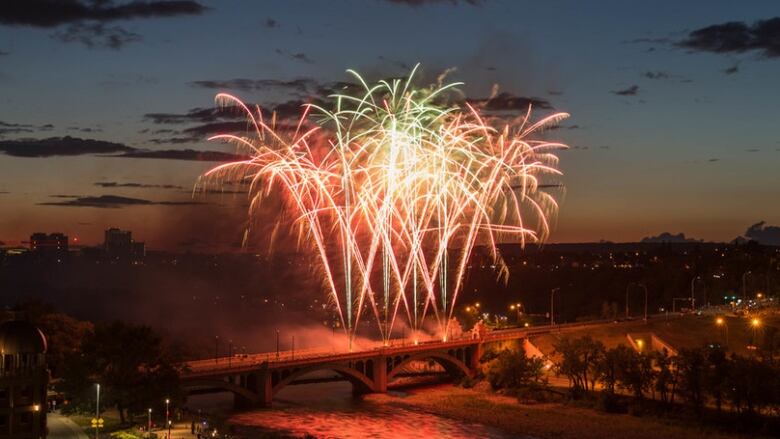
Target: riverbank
<point>541,420</point>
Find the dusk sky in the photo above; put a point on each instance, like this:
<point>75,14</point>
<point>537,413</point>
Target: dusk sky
<point>673,127</point>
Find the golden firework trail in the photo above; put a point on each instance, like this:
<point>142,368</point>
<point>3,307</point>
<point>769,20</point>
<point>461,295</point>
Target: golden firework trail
<point>393,188</point>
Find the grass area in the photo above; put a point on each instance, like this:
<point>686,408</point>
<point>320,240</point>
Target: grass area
<point>686,332</point>
<point>110,422</point>
<point>546,420</point>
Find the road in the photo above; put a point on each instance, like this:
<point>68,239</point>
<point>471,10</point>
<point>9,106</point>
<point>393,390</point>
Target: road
<point>60,427</point>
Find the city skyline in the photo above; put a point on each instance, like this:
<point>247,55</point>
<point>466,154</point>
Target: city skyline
<point>671,127</point>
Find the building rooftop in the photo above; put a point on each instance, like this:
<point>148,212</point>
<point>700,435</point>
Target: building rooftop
<point>21,337</point>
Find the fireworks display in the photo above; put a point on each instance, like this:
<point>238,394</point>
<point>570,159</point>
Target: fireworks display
<point>393,187</point>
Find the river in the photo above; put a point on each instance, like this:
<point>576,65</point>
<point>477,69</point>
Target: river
<point>328,410</point>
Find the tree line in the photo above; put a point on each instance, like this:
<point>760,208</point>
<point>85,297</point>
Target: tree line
<point>707,382</point>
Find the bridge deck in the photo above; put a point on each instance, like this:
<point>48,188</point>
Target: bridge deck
<point>285,359</point>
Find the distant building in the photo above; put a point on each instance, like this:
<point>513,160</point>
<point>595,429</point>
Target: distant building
<point>119,244</point>
<point>23,381</point>
<point>49,246</point>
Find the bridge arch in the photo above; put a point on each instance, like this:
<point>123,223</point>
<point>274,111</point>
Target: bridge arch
<point>450,363</point>
<point>192,384</point>
<point>359,380</point>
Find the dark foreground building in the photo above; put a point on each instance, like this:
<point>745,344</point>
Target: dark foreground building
<point>23,381</point>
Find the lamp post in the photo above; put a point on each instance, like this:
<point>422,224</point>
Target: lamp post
<point>149,424</point>
<point>97,412</point>
<point>216,349</point>
<point>293,347</point>
<point>277,344</point>
<point>744,286</point>
<point>721,322</point>
<point>693,298</point>
<point>517,307</point>
<point>167,416</point>
<point>755,323</point>
<point>552,305</point>
<point>644,287</point>
<point>230,352</point>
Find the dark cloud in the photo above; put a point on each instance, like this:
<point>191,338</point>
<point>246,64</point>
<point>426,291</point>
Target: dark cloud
<point>204,122</point>
<point>97,35</point>
<point>4,53</point>
<point>630,91</point>
<point>416,3</point>
<point>115,201</point>
<point>5,131</point>
<point>762,36</point>
<point>400,64</point>
<point>184,154</point>
<point>731,70</point>
<point>664,76</point>
<point>712,160</point>
<point>648,41</point>
<point>85,129</point>
<point>209,129</point>
<point>201,115</point>
<point>301,85</point>
<point>114,184</point>
<point>764,234</point>
<point>668,237</point>
<point>298,56</point>
<point>506,102</point>
<point>174,140</point>
<point>656,75</point>
<point>554,92</point>
<point>59,146</point>
<point>51,13</point>
<point>270,23</point>
<point>752,150</point>
<point>16,128</point>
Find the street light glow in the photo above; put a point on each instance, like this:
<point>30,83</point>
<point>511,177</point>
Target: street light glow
<point>719,321</point>
<point>755,322</point>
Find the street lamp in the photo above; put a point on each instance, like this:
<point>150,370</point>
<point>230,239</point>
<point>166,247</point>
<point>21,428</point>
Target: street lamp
<point>97,412</point>
<point>693,297</point>
<point>216,349</point>
<point>755,323</point>
<point>552,305</point>
<point>167,416</point>
<point>627,291</point>
<point>720,321</point>
<point>149,424</point>
<point>517,307</point>
<point>744,285</point>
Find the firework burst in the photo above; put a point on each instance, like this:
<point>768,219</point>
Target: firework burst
<point>393,187</point>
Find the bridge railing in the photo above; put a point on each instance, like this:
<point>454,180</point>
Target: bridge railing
<point>243,362</point>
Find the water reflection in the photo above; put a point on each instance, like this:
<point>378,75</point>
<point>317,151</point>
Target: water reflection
<point>328,410</point>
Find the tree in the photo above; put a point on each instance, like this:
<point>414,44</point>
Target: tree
<point>512,369</point>
<point>129,362</point>
<point>664,376</point>
<point>691,364</point>
<point>752,384</point>
<point>717,374</point>
<point>64,335</point>
<point>581,357</point>
<point>607,370</point>
<point>634,370</point>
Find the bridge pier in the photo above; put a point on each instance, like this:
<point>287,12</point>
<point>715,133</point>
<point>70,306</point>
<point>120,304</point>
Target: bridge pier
<point>380,374</point>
